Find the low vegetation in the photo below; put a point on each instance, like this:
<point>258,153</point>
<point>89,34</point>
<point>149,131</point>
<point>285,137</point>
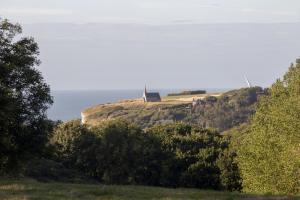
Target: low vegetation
<point>173,155</point>
<point>188,92</point>
<point>30,189</point>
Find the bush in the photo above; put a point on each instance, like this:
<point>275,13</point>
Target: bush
<point>49,170</point>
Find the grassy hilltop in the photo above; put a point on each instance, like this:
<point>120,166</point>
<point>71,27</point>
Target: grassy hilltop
<point>171,108</point>
<point>217,110</point>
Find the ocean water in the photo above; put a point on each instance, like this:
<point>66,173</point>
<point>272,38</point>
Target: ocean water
<point>69,104</point>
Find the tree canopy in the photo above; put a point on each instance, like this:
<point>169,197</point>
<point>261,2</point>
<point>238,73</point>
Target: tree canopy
<point>118,152</point>
<point>268,156</point>
<point>24,97</point>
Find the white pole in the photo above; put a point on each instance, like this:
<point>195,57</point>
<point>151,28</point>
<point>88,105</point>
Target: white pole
<point>248,82</point>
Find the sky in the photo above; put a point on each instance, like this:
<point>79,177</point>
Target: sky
<point>151,11</point>
<point>188,44</point>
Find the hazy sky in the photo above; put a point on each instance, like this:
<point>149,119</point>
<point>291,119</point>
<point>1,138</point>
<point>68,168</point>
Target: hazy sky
<point>105,44</point>
<point>151,11</point>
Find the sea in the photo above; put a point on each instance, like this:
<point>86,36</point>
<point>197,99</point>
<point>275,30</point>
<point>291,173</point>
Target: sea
<point>68,104</point>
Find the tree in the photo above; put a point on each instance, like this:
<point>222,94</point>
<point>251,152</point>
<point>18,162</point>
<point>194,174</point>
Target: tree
<point>268,156</point>
<point>64,137</point>
<point>118,152</point>
<point>114,151</point>
<point>229,173</point>
<point>24,97</point>
<point>191,155</point>
<point>124,154</point>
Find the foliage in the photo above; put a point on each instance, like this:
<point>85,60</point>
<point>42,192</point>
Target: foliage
<point>43,169</point>
<point>268,156</point>
<point>64,137</point>
<point>192,155</point>
<point>117,152</point>
<point>113,152</point>
<point>230,175</point>
<point>227,111</point>
<point>24,98</point>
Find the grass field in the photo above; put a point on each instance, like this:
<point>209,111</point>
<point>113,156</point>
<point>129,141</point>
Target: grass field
<point>30,189</point>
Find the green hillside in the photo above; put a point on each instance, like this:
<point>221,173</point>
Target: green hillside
<point>221,111</point>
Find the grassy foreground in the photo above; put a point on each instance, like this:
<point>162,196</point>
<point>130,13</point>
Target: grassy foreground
<point>30,189</point>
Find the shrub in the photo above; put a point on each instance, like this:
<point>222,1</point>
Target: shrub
<point>49,170</point>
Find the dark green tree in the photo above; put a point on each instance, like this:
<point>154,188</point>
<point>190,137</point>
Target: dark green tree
<point>114,151</point>
<point>229,173</point>
<point>63,139</point>
<point>24,98</point>
<point>191,155</point>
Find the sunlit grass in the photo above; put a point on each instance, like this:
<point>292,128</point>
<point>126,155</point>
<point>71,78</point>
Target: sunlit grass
<point>31,189</point>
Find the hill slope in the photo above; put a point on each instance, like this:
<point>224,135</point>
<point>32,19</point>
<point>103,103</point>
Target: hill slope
<point>221,111</point>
